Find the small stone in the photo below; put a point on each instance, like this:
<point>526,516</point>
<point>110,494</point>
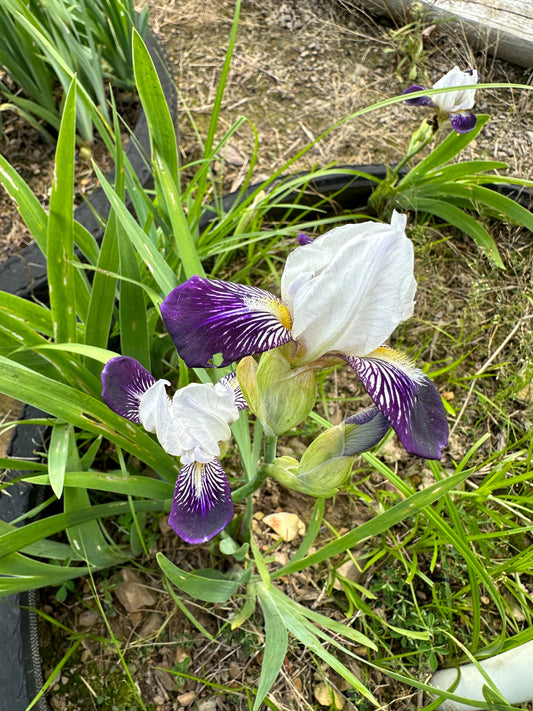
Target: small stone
<point>164,525</point>
<point>152,623</point>
<point>526,394</point>
<point>187,698</point>
<point>88,618</point>
<point>181,655</point>
<point>326,696</point>
<point>166,679</point>
<point>207,705</point>
<point>349,571</point>
<point>234,670</point>
<point>132,594</point>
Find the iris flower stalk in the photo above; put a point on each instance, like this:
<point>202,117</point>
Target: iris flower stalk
<point>342,296</point>
<point>193,425</point>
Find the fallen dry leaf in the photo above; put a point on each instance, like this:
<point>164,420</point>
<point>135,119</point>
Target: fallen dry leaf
<point>286,525</point>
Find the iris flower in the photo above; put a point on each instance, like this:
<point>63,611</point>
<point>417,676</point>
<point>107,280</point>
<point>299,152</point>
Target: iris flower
<point>455,103</point>
<point>342,296</point>
<point>191,425</point>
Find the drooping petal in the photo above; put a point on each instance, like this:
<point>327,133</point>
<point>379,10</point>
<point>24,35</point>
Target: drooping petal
<point>372,426</point>
<point>202,504</point>
<point>124,380</point>
<point>230,383</point>
<point>205,317</point>
<point>350,288</point>
<point>407,398</point>
<point>463,122</point>
<point>418,101</point>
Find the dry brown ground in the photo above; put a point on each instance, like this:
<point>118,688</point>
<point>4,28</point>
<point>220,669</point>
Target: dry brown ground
<point>298,67</point>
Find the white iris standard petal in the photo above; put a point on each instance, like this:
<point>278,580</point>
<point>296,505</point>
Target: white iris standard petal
<point>349,289</point>
<point>203,414</point>
<point>460,100</point>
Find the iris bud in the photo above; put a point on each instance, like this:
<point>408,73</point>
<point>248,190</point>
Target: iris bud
<point>327,462</point>
<point>279,395</point>
<point>324,467</point>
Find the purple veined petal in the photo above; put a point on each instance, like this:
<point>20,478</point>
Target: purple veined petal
<point>202,504</point>
<point>304,239</point>
<point>205,317</point>
<point>124,381</point>
<point>230,381</point>
<point>463,122</point>
<point>407,398</point>
<point>419,100</point>
<point>372,426</point>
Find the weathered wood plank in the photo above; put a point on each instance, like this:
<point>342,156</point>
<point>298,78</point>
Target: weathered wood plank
<point>504,27</point>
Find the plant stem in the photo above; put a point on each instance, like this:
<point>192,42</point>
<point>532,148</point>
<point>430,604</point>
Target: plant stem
<point>251,486</point>
<point>270,448</point>
<point>243,491</point>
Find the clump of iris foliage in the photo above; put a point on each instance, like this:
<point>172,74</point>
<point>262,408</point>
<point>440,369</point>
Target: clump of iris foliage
<point>44,44</point>
<point>149,307</point>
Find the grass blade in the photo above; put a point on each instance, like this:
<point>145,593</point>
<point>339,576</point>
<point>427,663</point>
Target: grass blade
<point>60,234</point>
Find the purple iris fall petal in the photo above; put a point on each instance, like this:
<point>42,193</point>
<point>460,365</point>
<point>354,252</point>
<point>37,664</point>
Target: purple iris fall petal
<point>419,100</point>
<point>372,426</point>
<point>463,122</point>
<point>202,504</point>
<point>205,317</point>
<point>413,406</point>
<point>124,381</point>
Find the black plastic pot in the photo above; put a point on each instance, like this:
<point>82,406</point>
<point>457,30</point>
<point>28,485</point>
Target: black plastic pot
<point>24,274</point>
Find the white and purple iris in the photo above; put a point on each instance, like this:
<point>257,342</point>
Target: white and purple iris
<point>342,296</point>
<point>191,425</point>
<point>457,104</point>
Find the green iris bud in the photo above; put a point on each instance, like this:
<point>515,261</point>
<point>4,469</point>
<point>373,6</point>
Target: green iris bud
<point>326,464</point>
<point>280,395</point>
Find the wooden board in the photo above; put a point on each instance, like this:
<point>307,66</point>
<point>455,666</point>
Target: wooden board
<point>504,27</point>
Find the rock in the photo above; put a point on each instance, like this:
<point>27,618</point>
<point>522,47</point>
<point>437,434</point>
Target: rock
<point>187,698</point>
<point>326,696</point>
<point>88,618</point>
<point>152,623</point>
<point>132,594</point>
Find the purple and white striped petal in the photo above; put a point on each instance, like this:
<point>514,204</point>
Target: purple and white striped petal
<point>202,504</point>
<point>230,382</point>
<point>372,426</point>
<point>463,122</point>
<point>419,100</point>
<point>124,381</point>
<point>205,317</point>
<point>407,398</point>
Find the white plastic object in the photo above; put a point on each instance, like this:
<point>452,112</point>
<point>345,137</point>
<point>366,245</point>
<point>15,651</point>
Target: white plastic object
<point>511,672</point>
